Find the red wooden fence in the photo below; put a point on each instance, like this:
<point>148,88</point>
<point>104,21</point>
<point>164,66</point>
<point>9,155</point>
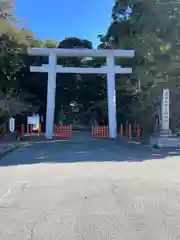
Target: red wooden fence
<point>63,131</point>
<point>100,131</point>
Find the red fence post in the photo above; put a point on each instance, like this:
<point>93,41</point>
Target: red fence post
<point>22,130</point>
<point>30,129</point>
<point>40,131</point>
<point>121,130</point>
<point>138,131</point>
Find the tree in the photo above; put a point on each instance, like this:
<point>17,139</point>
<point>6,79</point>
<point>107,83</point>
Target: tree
<point>50,43</point>
<point>6,10</point>
<point>13,45</point>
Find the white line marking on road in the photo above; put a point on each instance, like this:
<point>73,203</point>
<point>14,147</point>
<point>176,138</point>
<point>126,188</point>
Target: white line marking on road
<point>41,157</point>
<point>9,191</point>
<point>53,141</point>
<point>134,142</point>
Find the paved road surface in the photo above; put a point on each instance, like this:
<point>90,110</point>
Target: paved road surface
<point>89,191</point>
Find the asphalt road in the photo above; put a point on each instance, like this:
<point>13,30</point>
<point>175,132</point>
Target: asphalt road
<point>89,191</point>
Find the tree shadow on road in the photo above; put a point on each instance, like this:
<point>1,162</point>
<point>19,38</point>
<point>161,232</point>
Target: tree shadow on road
<point>86,151</point>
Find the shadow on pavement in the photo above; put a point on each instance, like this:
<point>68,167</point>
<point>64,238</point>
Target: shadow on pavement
<point>94,150</point>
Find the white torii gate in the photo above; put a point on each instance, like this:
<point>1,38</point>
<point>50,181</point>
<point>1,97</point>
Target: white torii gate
<point>52,69</point>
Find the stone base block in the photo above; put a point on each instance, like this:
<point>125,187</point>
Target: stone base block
<point>165,133</point>
<point>164,142</point>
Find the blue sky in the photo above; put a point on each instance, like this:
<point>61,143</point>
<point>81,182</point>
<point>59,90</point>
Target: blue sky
<point>58,19</point>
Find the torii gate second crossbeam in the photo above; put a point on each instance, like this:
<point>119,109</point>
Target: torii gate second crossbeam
<point>52,69</point>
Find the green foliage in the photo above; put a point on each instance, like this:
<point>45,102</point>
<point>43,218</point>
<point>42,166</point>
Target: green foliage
<point>50,43</point>
<point>6,10</point>
<point>13,45</point>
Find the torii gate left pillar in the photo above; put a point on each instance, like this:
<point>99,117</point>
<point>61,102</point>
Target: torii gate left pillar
<point>51,92</point>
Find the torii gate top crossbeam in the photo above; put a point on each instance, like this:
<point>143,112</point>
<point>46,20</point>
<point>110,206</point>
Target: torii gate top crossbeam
<point>80,52</point>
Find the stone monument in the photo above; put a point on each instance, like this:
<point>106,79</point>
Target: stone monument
<point>164,119</point>
<point>165,138</point>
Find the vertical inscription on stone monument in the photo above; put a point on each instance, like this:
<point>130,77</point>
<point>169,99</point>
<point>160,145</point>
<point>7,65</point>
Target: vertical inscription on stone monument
<point>165,110</point>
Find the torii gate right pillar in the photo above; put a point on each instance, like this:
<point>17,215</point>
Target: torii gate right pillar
<point>111,94</point>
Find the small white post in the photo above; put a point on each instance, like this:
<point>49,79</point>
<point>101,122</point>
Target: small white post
<point>111,97</point>
<point>51,91</point>
<point>11,124</point>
